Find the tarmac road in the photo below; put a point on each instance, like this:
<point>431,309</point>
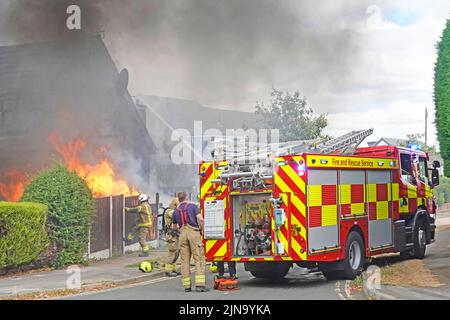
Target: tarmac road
<point>298,285</point>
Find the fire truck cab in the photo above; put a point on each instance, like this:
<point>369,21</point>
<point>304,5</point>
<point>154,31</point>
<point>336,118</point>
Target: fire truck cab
<point>327,211</point>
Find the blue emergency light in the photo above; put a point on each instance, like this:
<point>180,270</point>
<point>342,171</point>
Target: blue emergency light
<point>414,147</point>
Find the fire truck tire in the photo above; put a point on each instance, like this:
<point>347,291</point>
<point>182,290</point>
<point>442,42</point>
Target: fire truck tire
<point>354,256</point>
<point>332,275</point>
<point>420,242</point>
<point>276,273</point>
<point>354,259</point>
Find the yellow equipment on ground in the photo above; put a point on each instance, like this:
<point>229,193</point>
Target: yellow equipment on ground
<point>213,267</point>
<point>145,266</point>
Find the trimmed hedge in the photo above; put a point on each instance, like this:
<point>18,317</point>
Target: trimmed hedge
<point>71,211</point>
<point>442,97</point>
<point>22,233</point>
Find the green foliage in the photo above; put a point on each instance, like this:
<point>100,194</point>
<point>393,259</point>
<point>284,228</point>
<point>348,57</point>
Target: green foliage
<point>292,116</point>
<point>414,138</point>
<point>442,97</point>
<point>442,192</point>
<point>22,232</point>
<point>71,209</point>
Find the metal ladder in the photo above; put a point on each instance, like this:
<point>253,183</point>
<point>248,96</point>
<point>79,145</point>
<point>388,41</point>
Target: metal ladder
<point>251,167</point>
<point>345,144</point>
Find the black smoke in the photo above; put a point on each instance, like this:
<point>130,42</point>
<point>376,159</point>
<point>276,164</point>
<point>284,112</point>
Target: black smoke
<point>221,53</point>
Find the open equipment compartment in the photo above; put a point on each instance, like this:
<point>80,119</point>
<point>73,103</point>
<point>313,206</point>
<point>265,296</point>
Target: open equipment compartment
<point>252,224</point>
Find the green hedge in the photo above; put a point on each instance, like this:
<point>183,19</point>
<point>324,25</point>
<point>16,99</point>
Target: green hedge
<point>71,210</point>
<point>442,97</point>
<point>442,192</point>
<point>22,232</point>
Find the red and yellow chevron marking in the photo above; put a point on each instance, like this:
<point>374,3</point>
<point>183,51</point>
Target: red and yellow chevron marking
<point>344,162</point>
<point>290,186</point>
<point>209,171</point>
<point>215,249</point>
<point>219,248</point>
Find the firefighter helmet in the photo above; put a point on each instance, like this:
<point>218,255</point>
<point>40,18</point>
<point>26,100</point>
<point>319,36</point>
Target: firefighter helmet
<point>143,197</point>
<point>145,266</point>
<point>213,267</point>
<point>174,203</point>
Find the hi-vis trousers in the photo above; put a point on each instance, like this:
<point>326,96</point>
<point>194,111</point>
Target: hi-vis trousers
<point>172,255</point>
<point>191,244</point>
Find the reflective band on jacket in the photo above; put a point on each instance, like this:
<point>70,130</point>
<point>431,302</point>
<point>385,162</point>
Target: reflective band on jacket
<point>143,225</point>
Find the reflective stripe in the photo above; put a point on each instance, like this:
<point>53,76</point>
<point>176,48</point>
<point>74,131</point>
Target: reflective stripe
<point>200,280</point>
<point>145,248</point>
<point>186,282</point>
<point>144,225</point>
<point>169,267</point>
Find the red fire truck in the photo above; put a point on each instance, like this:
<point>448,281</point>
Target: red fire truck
<point>329,206</point>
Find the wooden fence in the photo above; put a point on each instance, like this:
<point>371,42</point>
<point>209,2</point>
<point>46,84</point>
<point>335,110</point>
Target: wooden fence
<point>111,225</point>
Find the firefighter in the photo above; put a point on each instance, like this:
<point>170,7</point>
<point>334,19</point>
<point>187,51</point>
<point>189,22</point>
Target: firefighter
<point>172,236</point>
<point>187,217</point>
<point>231,269</point>
<point>143,223</point>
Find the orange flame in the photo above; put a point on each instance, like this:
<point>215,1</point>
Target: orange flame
<point>100,178</point>
<point>12,189</point>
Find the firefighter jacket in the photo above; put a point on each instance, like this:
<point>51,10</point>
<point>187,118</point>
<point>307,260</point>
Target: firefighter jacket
<point>168,220</point>
<point>145,214</point>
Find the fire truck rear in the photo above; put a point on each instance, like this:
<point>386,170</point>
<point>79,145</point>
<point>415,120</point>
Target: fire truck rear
<point>330,206</point>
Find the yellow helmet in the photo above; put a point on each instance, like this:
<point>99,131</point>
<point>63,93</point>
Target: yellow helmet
<point>174,203</point>
<point>145,266</point>
<point>213,267</point>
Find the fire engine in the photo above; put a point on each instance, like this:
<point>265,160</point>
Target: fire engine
<point>320,205</point>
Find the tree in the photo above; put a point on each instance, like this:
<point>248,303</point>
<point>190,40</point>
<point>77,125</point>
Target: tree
<point>442,192</point>
<point>71,209</point>
<point>442,97</point>
<point>292,116</point>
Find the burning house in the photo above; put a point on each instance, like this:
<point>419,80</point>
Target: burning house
<point>168,114</point>
<point>66,101</point>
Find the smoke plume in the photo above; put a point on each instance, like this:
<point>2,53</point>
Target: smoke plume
<point>221,53</point>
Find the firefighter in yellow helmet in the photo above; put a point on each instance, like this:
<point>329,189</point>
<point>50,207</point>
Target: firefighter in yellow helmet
<point>172,236</point>
<point>188,218</point>
<point>143,223</point>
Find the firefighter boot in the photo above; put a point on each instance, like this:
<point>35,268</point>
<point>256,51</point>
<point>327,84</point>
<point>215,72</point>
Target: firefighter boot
<point>201,289</point>
<point>171,274</point>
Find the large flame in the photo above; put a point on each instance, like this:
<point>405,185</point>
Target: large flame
<point>13,186</point>
<point>101,178</point>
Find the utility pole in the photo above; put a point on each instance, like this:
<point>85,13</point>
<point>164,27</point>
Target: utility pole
<point>426,126</point>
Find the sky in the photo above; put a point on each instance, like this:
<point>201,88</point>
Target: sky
<point>365,63</point>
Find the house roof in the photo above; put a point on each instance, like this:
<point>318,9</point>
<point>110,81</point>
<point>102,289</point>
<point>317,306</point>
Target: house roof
<point>168,114</point>
<point>73,77</point>
<point>387,141</point>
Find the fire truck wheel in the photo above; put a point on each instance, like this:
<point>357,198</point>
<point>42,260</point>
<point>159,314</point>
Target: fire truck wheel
<point>420,241</point>
<point>354,256</point>
<point>276,273</point>
<point>332,275</point>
